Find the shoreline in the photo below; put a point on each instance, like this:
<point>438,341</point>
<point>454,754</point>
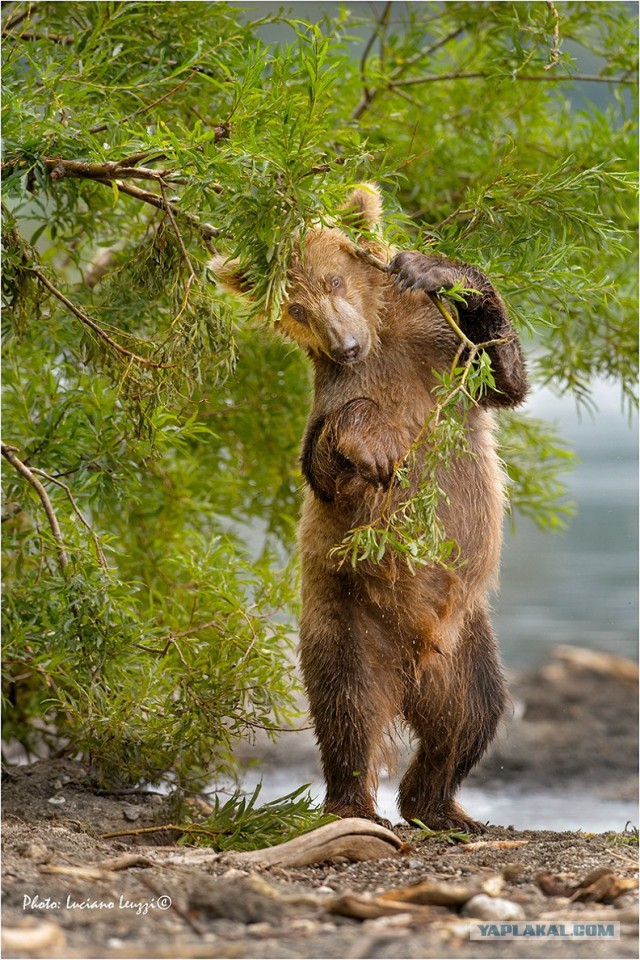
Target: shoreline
<point>69,892</point>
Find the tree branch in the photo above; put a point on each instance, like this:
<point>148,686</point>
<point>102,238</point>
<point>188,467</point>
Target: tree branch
<point>369,257</point>
<point>207,231</point>
<point>9,454</point>
<point>368,94</point>
<point>554,53</point>
<point>113,171</point>
<point>93,325</point>
<point>110,170</point>
<point>150,106</point>
<point>481,74</point>
<point>96,540</point>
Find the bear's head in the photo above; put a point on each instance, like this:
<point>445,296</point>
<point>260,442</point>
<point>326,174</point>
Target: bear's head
<point>333,297</point>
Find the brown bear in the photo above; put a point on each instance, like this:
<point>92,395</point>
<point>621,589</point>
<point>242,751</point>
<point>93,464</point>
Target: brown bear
<point>385,642</point>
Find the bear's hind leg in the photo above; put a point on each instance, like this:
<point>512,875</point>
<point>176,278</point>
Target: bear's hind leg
<point>351,702</point>
<point>455,724</point>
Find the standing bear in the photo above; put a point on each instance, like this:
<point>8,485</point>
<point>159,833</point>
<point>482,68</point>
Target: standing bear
<point>383,642</point>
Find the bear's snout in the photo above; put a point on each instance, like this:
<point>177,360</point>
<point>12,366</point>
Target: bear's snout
<point>348,351</point>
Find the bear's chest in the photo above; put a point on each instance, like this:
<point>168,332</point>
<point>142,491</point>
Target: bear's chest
<point>397,376</point>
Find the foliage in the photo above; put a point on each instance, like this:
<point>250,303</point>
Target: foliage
<point>451,837</point>
<point>151,478</point>
<point>237,824</point>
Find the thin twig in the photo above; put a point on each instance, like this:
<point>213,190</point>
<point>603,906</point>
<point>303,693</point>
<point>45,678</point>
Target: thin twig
<point>9,454</point>
<point>100,554</point>
<point>423,54</point>
<point>367,93</point>
<point>554,53</point>
<point>183,249</point>
<point>370,95</point>
<point>369,257</point>
<point>150,106</point>
<point>156,200</point>
<point>94,326</point>
<point>381,22</point>
<point>198,629</point>
<point>485,75</point>
<point>183,914</point>
<point>13,21</point>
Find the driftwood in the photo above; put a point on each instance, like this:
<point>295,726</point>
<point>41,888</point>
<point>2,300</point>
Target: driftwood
<point>362,906</point>
<point>32,938</point>
<point>600,886</point>
<point>427,900</point>
<point>351,838</point>
<point>498,844</point>
<point>441,893</point>
<point>607,664</point>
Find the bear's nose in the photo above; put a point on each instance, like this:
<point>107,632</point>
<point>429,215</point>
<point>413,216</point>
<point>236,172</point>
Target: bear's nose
<point>348,351</point>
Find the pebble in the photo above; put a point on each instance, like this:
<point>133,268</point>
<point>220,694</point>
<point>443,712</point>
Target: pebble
<point>56,801</point>
<point>304,925</point>
<point>130,812</point>
<point>324,889</point>
<point>260,929</point>
<point>484,907</point>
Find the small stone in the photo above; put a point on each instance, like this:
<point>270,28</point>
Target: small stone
<point>233,874</point>
<point>130,812</point>
<point>513,870</point>
<point>483,907</point>
<point>324,889</point>
<point>56,801</point>
<point>414,864</point>
<point>304,925</point>
<point>260,929</point>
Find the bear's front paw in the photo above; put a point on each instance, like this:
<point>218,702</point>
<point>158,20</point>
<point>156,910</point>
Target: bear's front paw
<point>417,271</point>
<point>376,466</point>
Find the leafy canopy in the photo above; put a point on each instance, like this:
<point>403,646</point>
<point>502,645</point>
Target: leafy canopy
<point>151,478</point>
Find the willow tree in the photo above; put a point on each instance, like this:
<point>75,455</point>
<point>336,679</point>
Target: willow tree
<point>151,429</point>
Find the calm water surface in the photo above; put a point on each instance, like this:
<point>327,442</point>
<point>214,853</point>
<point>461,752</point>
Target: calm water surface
<point>580,587</point>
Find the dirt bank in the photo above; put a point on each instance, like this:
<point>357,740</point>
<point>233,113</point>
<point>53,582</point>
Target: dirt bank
<point>69,892</point>
<point>82,897</point>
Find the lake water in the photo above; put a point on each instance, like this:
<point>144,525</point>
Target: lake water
<point>507,807</point>
<point>580,587</point>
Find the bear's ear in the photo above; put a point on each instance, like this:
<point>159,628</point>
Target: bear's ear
<point>230,276</point>
<point>363,209</point>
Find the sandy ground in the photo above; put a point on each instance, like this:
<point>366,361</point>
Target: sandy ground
<point>69,892</point>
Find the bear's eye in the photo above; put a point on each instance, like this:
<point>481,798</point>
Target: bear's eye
<point>298,312</point>
<point>335,282</point>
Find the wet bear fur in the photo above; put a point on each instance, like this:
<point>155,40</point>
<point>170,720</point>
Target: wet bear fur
<point>380,643</point>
